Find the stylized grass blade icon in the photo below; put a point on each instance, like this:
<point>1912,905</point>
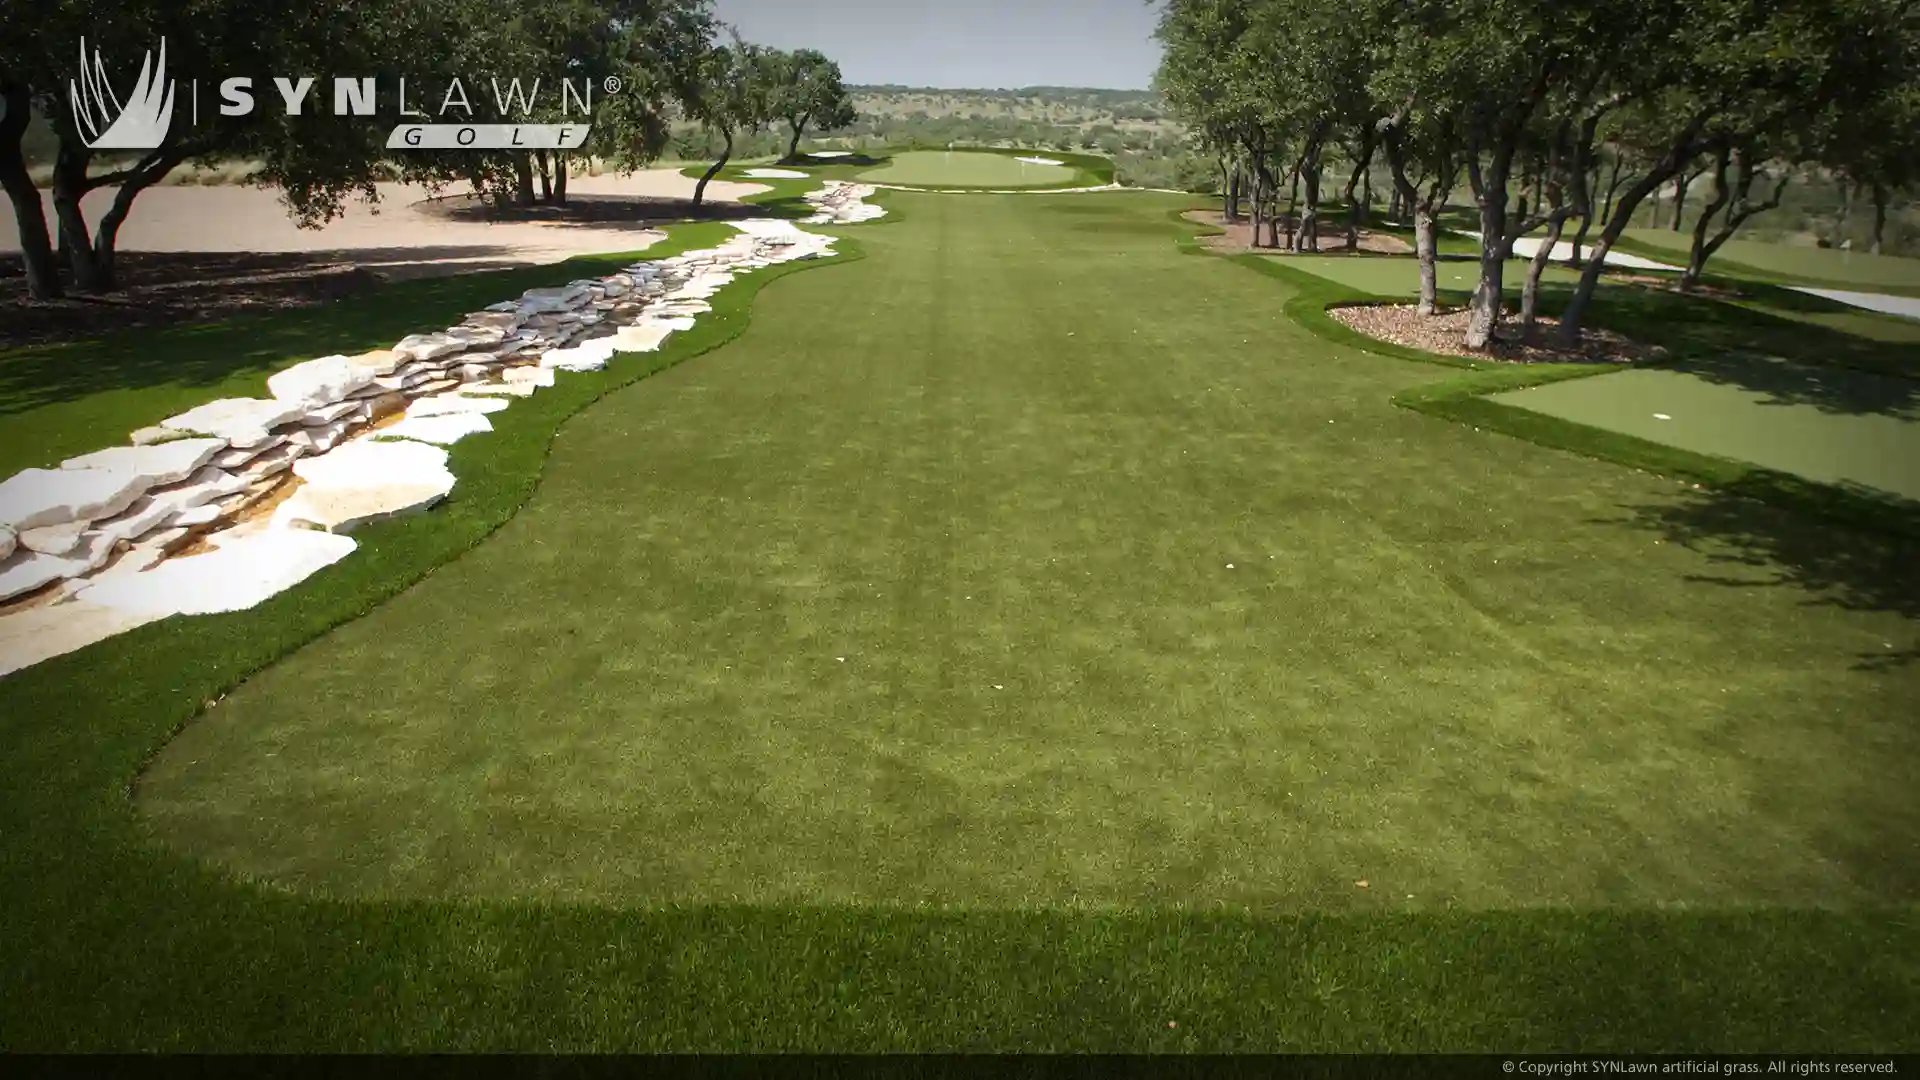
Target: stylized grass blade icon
<point>106,124</point>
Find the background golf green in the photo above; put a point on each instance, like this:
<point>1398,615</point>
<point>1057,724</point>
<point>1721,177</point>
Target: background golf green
<point>959,168</point>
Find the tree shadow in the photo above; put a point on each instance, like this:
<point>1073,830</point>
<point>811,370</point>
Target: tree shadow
<point>1760,529</point>
<point>205,353</point>
<point>596,210</point>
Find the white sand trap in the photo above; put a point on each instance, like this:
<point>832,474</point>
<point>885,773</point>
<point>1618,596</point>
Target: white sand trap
<point>1526,246</point>
<point>1039,161</point>
<point>773,174</point>
<point>830,153</point>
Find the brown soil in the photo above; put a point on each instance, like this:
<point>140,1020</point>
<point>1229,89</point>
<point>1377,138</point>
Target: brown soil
<point>1237,237</point>
<point>167,288</point>
<point>1402,324</point>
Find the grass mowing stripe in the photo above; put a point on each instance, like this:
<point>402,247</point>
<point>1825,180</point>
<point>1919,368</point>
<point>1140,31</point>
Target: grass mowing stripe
<point>111,944</point>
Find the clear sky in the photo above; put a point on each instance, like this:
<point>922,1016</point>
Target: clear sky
<point>964,43</point>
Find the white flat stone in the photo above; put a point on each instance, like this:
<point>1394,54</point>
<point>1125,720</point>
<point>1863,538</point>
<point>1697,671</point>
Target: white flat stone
<point>373,464</point>
<point>498,317</point>
<point>320,382</point>
<point>339,410</point>
<point>439,430</point>
<point>240,421</point>
<point>528,376</point>
<point>477,337</point>
<point>199,515</point>
<point>8,540</point>
<point>37,497</point>
<point>640,337</point>
<point>29,637</point>
<point>140,519</point>
<point>586,356</point>
<point>151,436</point>
<point>773,174</point>
<point>24,571</point>
<point>238,456</point>
<point>541,301</point>
<point>428,346</point>
<point>237,575</point>
<point>341,510</point>
<point>164,463</point>
<point>272,463</point>
<point>53,539</point>
<point>451,404</point>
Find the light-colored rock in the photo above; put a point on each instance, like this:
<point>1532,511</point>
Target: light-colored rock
<point>539,301</point>
<point>36,497</point>
<point>428,346</point>
<point>236,575</point>
<point>640,337</point>
<point>53,539</point>
<point>474,337</point>
<point>328,414</point>
<point>272,463</point>
<point>517,389</point>
<point>318,382</point>
<point>139,519</point>
<point>378,361</point>
<point>199,515</point>
<point>319,440</point>
<point>372,464</point>
<point>528,376</point>
<point>163,463</point>
<point>29,637</point>
<point>500,319</point>
<point>590,355</point>
<point>440,430</point>
<point>25,571</point>
<point>240,421</point>
<point>8,540</point>
<point>236,457</point>
<point>208,485</point>
<point>449,404</point>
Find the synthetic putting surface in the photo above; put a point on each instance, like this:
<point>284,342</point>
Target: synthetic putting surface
<point>1027,565</point>
<point>1826,425</point>
<point>960,168</point>
<point>1856,270</point>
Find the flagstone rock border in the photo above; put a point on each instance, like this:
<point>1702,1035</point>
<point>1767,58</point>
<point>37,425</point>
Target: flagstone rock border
<point>174,523</point>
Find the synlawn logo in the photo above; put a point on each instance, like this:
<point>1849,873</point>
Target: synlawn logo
<point>143,120</point>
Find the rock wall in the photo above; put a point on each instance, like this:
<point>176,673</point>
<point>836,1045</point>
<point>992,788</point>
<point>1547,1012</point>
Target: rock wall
<point>229,503</point>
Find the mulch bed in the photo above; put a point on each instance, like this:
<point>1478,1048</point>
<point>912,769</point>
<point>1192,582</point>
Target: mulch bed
<point>1443,333</point>
<point>1237,237</point>
<point>171,288</point>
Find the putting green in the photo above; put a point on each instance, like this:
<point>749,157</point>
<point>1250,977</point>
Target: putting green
<point>1840,269</point>
<point>1400,275</point>
<point>1832,426</point>
<point>962,168</point>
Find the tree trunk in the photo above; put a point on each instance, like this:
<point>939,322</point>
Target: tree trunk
<point>523,179</point>
<point>793,144</point>
<point>1233,191</point>
<point>1308,174</point>
<point>1846,212</point>
<point>1697,252</point>
<point>1424,252</point>
<point>540,169</point>
<point>1530,291</point>
<point>700,189</point>
<point>1880,194</point>
<point>1667,168</point>
<point>559,178</point>
<point>1680,185</point>
<point>1491,193</point>
<point>1293,207</point>
<point>1357,211</point>
<point>69,188</point>
<point>36,249</point>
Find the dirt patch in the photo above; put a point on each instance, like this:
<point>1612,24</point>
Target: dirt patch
<point>169,288</point>
<point>1236,237</point>
<point>1402,324</point>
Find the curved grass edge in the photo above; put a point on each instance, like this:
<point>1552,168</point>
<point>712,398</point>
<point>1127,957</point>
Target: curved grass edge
<point>112,944</point>
<point>1465,399</point>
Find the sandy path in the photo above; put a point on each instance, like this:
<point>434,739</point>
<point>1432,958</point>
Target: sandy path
<point>391,238</point>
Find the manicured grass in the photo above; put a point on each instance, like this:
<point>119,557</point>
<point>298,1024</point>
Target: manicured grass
<point>1794,264</point>
<point>965,168</point>
<point>1666,795</point>
<point>1400,275</point>
<point>1825,426</point>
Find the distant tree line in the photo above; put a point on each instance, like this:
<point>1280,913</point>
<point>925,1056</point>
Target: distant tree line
<point>1558,117</point>
<point>668,57</point>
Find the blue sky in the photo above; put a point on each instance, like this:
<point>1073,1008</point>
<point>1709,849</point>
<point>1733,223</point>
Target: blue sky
<point>963,43</point>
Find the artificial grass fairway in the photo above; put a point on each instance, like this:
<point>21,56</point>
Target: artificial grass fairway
<point>1806,265</point>
<point>1825,426</point>
<point>983,590</point>
<point>110,942</point>
<point>961,168</point>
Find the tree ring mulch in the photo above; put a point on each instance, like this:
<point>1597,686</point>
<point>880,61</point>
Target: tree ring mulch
<point>1445,333</point>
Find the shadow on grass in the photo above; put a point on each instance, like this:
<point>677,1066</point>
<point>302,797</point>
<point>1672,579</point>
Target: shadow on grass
<point>1764,544</point>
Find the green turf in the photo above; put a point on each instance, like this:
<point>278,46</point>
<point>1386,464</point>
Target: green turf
<point>1836,427</point>
<point>1856,270</point>
<point>1400,276</point>
<point>962,168</point>
<point>1422,571</point>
